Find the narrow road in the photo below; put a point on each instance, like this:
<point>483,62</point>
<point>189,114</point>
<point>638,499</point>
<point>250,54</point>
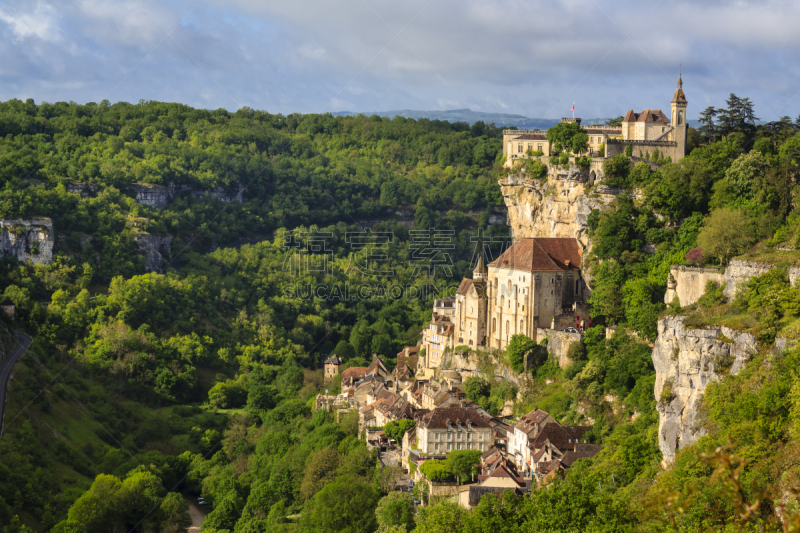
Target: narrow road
<point>196,515</point>
<point>6,366</point>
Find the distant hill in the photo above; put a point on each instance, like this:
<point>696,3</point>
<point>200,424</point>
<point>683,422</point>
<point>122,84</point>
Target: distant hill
<point>469,116</point>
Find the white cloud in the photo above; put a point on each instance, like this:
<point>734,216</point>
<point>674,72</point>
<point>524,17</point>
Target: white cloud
<point>40,22</point>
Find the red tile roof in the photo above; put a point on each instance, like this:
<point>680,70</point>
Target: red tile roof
<point>541,254</point>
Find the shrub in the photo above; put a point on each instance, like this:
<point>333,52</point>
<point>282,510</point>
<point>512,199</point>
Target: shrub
<point>695,256</point>
<point>712,296</point>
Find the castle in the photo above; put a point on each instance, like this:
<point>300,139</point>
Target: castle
<point>645,132</point>
<point>536,283</point>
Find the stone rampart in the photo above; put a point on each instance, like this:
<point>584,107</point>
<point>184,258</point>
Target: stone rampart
<point>689,283</point>
<point>558,343</point>
<point>739,272</point>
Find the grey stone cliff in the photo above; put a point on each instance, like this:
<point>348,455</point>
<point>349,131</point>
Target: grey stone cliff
<point>27,239</point>
<point>154,248</point>
<point>686,361</point>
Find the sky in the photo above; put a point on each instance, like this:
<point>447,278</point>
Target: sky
<point>311,56</point>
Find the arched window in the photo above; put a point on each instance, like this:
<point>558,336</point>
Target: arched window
<point>680,117</point>
<point>494,325</point>
<point>507,328</point>
<point>577,286</point>
<point>521,330</point>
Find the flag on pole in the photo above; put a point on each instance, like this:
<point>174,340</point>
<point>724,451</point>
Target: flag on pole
<point>573,107</point>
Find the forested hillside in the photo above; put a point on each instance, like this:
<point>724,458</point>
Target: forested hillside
<point>139,386</point>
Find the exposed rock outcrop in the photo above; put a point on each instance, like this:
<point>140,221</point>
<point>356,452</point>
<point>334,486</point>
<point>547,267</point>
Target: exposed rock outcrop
<point>153,195</point>
<point>158,196</point>
<point>555,208</point>
<point>686,361</point>
<point>740,272</point>
<point>154,248</point>
<point>27,239</point>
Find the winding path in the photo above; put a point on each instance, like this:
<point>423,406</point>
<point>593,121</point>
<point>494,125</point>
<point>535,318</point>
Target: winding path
<point>6,367</point>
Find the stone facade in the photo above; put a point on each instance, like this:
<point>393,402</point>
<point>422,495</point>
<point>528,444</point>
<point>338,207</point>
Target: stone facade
<point>686,361</point>
<point>30,239</point>
<point>689,283</point>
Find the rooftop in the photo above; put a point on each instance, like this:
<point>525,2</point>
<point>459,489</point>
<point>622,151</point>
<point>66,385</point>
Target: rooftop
<point>541,254</point>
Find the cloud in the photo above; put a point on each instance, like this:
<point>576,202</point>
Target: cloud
<point>40,22</point>
<point>527,57</point>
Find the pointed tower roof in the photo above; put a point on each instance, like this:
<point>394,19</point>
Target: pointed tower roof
<point>481,266</point>
<point>679,97</point>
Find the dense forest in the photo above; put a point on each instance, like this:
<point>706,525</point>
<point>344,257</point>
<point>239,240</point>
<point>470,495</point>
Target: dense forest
<point>140,386</point>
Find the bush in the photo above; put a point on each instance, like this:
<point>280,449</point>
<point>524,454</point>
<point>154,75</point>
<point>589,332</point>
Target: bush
<point>712,296</point>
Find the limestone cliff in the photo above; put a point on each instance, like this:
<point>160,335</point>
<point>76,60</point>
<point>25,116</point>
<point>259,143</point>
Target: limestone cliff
<point>558,207</point>
<point>27,239</point>
<point>686,361</point>
<point>154,248</point>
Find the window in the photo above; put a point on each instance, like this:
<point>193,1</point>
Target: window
<point>494,325</point>
<point>577,285</point>
<point>437,447</point>
<point>507,328</point>
<point>520,326</point>
<point>539,147</point>
<point>519,148</point>
<point>449,446</point>
<point>680,117</point>
<point>530,147</point>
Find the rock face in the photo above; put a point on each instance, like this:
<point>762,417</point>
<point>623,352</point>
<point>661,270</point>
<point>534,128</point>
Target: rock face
<point>686,361</point>
<point>27,239</point>
<point>740,272</point>
<point>154,248</point>
<point>689,283</point>
<point>153,195</point>
<point>557,208</point>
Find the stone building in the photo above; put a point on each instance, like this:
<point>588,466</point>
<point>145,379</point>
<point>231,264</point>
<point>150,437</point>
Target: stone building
<point>470,308</point>
<point>453,428</point>
<point>533,283</point>
<point>646,131</point>
<point>332,366</point>
<point>437,337</point>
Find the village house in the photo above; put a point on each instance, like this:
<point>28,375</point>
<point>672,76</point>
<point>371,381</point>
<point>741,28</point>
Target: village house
<point>453,428</point>
<point>332,367</point>
<point>537,439</point>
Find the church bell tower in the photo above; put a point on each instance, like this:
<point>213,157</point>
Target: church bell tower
<point>679,117</point>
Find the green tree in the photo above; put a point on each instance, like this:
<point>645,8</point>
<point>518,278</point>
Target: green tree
<point>725,233</point>
<point>320,470</point>
<point>395,429</point>
<point>444,516</point>
<point>464,463</point>
<point>520,346</point>
<point>562,136</point>
<point>476,387</point>
<point>396,509</point>
<point>345,506</point>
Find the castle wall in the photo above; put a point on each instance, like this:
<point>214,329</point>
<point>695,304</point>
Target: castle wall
<point>690,283</point>
<point>558,343</point>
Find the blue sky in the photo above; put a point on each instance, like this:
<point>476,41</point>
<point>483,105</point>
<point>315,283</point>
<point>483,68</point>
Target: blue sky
<point>509,56</point>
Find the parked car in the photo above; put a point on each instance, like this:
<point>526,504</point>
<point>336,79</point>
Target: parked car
<point>201,501</point>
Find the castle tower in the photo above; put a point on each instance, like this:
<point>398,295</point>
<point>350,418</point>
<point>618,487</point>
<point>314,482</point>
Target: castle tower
<point>679,118</point>
<point>332,366</point>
